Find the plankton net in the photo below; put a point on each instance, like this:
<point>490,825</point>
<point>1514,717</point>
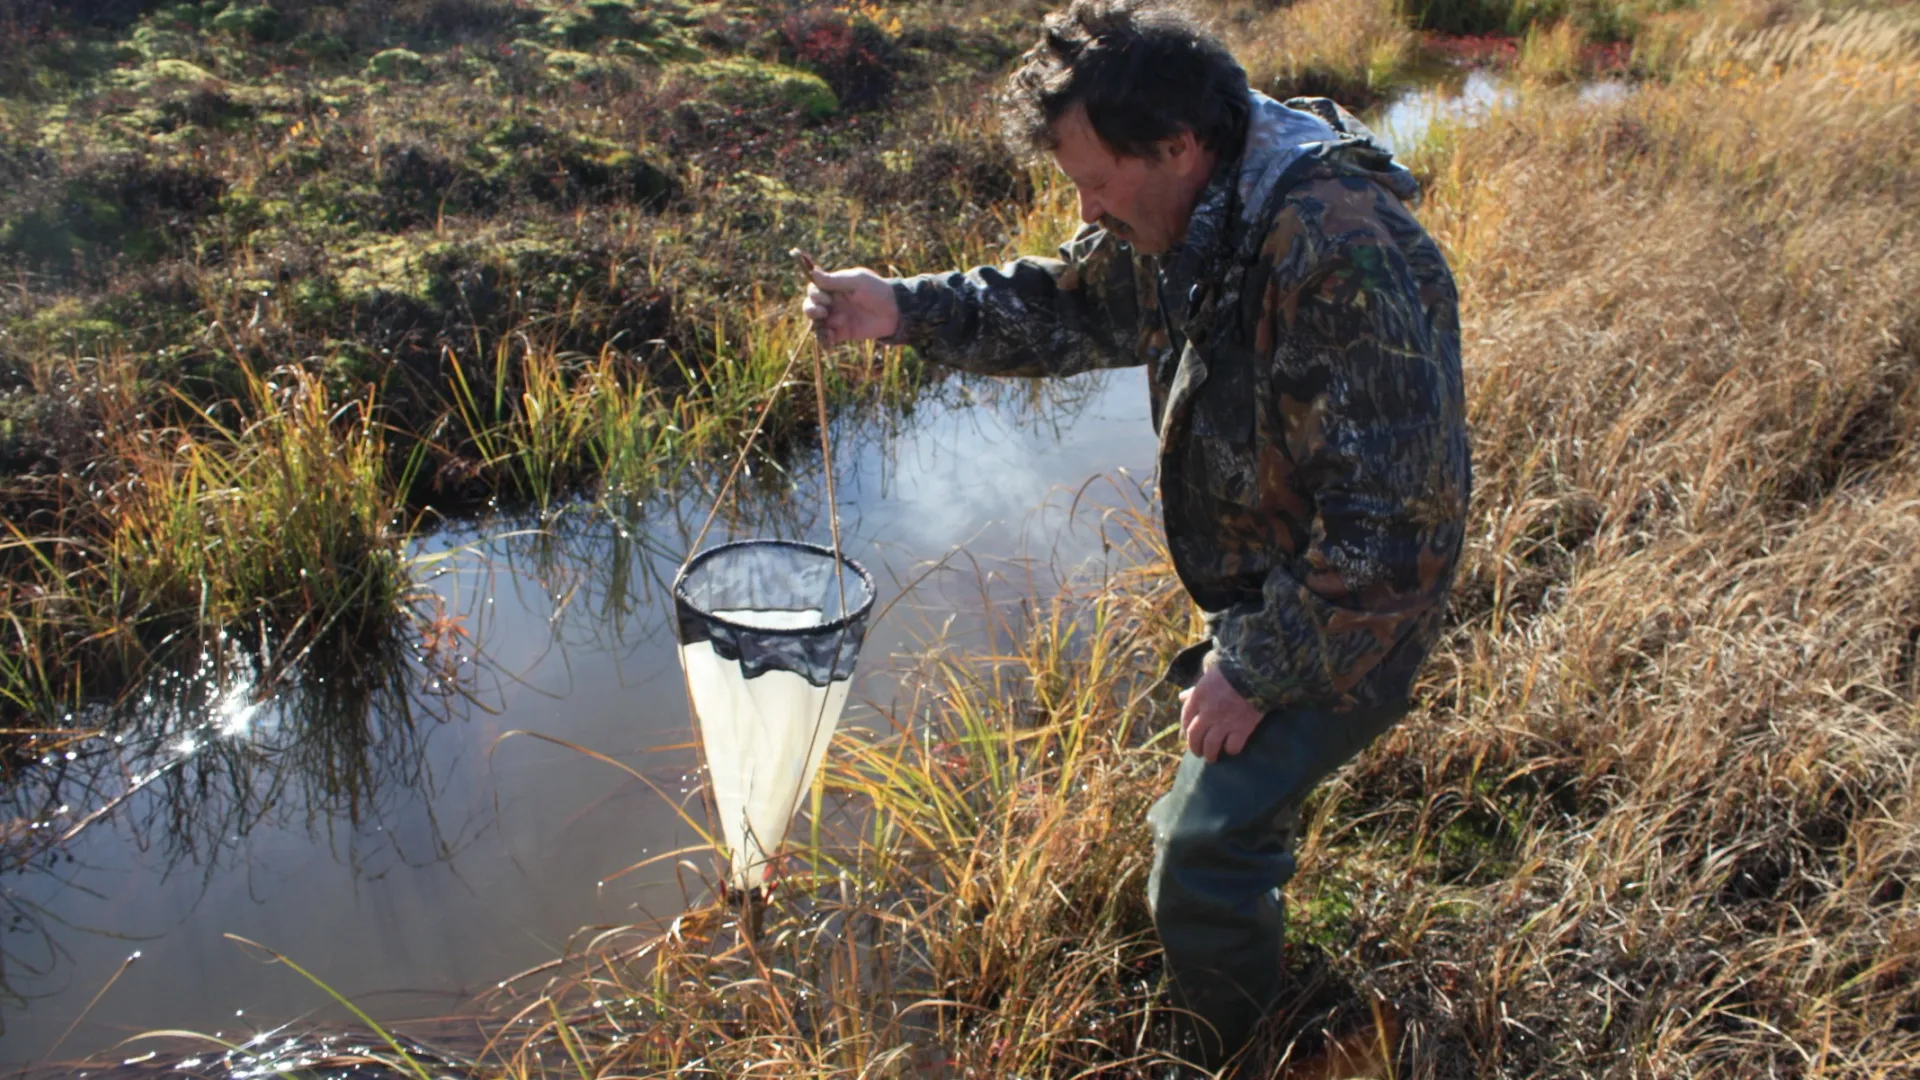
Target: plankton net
<point>768,631</point>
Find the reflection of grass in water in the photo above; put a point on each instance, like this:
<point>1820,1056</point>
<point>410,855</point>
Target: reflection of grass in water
<point>609,559</point>
<point>196,763</point>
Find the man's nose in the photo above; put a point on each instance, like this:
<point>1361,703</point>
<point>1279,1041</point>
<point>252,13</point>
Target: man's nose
<point>1090,211</point>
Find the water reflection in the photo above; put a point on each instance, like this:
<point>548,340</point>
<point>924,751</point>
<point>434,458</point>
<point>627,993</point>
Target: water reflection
<point>361,813</point>
<point>202,759</point>
<point>1404,123</point>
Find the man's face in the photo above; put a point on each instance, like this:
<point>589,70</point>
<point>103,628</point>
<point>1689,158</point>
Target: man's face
<point>1144,201</point>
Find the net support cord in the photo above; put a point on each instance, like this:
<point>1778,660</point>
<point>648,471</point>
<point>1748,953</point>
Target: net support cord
<point>753,913</point>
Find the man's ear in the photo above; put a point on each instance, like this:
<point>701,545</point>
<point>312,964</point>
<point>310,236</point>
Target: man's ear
<point>1180,149</point>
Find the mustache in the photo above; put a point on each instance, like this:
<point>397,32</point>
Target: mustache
<point>1115,225</point>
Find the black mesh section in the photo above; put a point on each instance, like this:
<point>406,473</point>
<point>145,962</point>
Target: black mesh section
<point>726,595</point>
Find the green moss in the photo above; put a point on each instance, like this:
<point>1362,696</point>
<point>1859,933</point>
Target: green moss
<point>190,15</point>
<point>575,25</point>
<point>343,94</point>
<point>267,98</point>
<point>392,264</point>
<point>152,42</point>
<point>569,66</point>
<point>659,27</point>
<point>1322,919</point>
<point>1480,842</point>
<point>521,157</point>
<point>396,64</point>
<point>168,94</point>
<point>172,70</point>
<point>317,299</point>
<point>669,42</point>
<point>258,22</point>
<point>440,274</point>
<point>755,84</point>
<point>633,50</point>
<point>316,46</point>
<point>67,322</point>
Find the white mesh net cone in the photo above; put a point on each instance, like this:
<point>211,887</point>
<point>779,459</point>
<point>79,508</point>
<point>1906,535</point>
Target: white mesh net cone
<point>769,631</point>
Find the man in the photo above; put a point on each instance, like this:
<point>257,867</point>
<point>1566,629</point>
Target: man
<point>1301,336</point>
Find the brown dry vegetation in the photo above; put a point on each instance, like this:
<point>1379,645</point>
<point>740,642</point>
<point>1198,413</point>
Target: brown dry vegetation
<point>1654,813</point>
<point>1679,721</point>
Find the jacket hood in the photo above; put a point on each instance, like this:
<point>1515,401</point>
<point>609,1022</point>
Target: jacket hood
<point>1280,135</point>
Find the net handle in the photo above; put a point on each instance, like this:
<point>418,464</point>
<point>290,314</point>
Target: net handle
<point>826,443</point>
<point>833,506</point>
<point>833,512</point>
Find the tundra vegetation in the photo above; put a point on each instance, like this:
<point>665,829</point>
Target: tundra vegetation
<point>291,281</point>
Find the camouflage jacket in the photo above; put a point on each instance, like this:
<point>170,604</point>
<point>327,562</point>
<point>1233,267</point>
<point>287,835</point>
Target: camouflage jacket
<point>1303,352</point>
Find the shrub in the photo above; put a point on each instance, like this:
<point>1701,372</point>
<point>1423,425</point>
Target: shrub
<point>854,56</point>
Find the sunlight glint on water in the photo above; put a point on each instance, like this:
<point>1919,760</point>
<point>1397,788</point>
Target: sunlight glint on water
<point>384,836</point>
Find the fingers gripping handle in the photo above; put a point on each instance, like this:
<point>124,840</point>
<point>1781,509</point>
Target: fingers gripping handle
<point>812,273</point>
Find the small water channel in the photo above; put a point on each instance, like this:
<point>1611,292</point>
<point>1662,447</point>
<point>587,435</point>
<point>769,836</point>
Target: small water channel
<point>376,825</point>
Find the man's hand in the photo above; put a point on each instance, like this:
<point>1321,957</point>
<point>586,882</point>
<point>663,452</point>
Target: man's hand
<point>851,305</point>
<point>1214,718</point>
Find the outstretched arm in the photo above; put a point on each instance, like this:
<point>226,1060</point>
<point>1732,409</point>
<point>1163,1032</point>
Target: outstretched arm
<point>1032,316</point>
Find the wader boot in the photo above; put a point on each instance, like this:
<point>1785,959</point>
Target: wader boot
<point>1223,845</point>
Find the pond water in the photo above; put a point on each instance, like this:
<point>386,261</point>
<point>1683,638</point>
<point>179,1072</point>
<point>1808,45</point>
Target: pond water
<point>409,855</point>
<point>1402,123</point>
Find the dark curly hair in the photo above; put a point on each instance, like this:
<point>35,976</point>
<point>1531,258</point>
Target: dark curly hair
<point>1146,70</point>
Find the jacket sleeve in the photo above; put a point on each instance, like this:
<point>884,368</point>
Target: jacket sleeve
<point>1381,449</point>
<point>1032,316</point>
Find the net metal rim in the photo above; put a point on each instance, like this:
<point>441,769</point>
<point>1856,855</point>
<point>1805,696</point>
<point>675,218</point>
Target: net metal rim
<point>825,627</point>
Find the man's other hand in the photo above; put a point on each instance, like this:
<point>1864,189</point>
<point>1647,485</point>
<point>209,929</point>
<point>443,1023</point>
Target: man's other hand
<point>1214,718</point>
<point>851,305</point>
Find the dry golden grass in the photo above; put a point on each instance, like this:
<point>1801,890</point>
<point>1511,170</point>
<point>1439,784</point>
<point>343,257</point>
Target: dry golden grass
<point>1656,811</point>
<point>1658,817</point>
<point>1654,815</point>
<point>1353,50</point>
<point>1550,54</point>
